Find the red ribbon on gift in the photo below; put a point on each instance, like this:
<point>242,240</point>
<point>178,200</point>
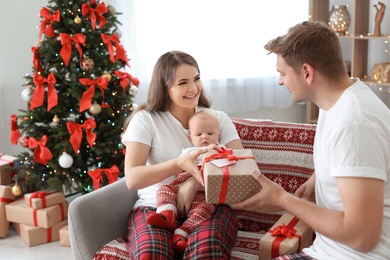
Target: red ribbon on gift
<point>41,195</point>
<point>282,232</point>
<point>6,200</point>
<point>224,153</point>
<point>86,99</point>
<point>66,41</point>
<point>15,134</point>
<point>76,131</point>
<point>39,92</point>
<point>95,13</point>
<point>48,18</point>
<point>36,59</point>
<point>96,175</point>
<point>42,154</point>
<point>35,214</point>
<point>124,79</point>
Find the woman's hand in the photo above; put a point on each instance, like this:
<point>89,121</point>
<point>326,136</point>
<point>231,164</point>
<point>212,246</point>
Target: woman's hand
<point>188,163</point>
<point>186,194</point>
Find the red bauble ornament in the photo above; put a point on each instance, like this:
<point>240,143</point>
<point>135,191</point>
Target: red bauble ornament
<point>87,64</point>
<point>24,141</point>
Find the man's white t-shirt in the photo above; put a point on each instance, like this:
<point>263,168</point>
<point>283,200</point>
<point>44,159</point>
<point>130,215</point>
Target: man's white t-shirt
<point>352,139</point>
<point>167,138</point>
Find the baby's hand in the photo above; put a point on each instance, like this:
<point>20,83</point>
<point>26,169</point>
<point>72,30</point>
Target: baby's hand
<point>212,147</point>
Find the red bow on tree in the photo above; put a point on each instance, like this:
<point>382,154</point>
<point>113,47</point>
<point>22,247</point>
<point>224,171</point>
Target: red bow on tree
<point>110,41</point>
<point>48,18</point>
<point>86,99</point>
<point>121,54</point>
<point>124,79</point>
<point>39,92</point>
<point>15,134</point>
<point>77,134</point>
<point>36,62</point>
<point>111,173</point>
<point>95,13</point>
<point>66,41</point>
<point>42,154</point>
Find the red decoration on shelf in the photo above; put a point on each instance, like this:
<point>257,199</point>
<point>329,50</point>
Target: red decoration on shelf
<point>39,92</point>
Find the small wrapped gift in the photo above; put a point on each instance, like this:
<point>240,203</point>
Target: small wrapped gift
<point>289,235</point>
<point>33,236</point>
<point>19,212</point>
<point>228,175</point>
<point>7,172</point>
<point>6,197</point>
<point>64,236</point>
<point>43,199</point>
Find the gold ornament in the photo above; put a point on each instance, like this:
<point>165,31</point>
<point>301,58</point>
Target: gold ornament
<point>107,75</point>
<point>111,10</point>
<point>77,20</point>
<point>56,119</point>
<point>16,190</point>
<point>95,109</point>
<point>87,64</point>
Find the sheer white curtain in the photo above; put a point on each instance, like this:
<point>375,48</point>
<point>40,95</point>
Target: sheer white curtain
<point>226,37</point>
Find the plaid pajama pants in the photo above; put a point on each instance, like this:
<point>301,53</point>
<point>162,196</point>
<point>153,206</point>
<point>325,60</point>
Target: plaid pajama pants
<point>298,256</point>
<point>213,239</point>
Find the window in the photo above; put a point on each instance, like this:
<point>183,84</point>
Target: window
<point>226,37</point>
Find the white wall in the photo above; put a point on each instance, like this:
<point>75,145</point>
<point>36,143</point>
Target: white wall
<point>19,32</point>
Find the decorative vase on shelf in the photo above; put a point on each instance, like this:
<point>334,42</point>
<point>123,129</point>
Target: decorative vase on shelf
<point>340,19</point>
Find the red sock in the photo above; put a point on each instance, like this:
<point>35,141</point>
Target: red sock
<point>165,219</point>
<point>179,243</point>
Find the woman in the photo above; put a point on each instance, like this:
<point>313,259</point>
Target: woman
<point>154,138</point>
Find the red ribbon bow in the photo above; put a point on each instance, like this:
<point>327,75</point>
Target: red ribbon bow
<point>66,41</point>
<point>36,60</point>
<point>48,18</point>
<point>121,54</point>
<point>111,173</point>
<point>284,230</point>
<point>86,99</point>
<point>77,134</point>
<point>39,93</point>
<point>110,41</point>
<point>42,154</point>
<point>40,195</point>
<point>15,134</point>
<point>124,79</point>
<point>95,13</point>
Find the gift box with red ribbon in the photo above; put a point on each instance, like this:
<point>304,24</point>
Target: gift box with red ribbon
<point>33,236</point>
<point>228,175</point>
<point>64,236</point>
<point>6,197</point>
<point>7,170</point>
<point>43,199</point>
<point>19,212</point>
<point>289,235</point>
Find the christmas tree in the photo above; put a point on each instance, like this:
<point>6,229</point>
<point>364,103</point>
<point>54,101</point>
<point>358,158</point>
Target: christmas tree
<point>78,98</point>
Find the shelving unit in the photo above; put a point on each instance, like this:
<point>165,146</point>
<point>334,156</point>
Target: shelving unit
<point>358,38</point>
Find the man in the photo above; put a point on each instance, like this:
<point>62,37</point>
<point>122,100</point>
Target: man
<point>350,186</point>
